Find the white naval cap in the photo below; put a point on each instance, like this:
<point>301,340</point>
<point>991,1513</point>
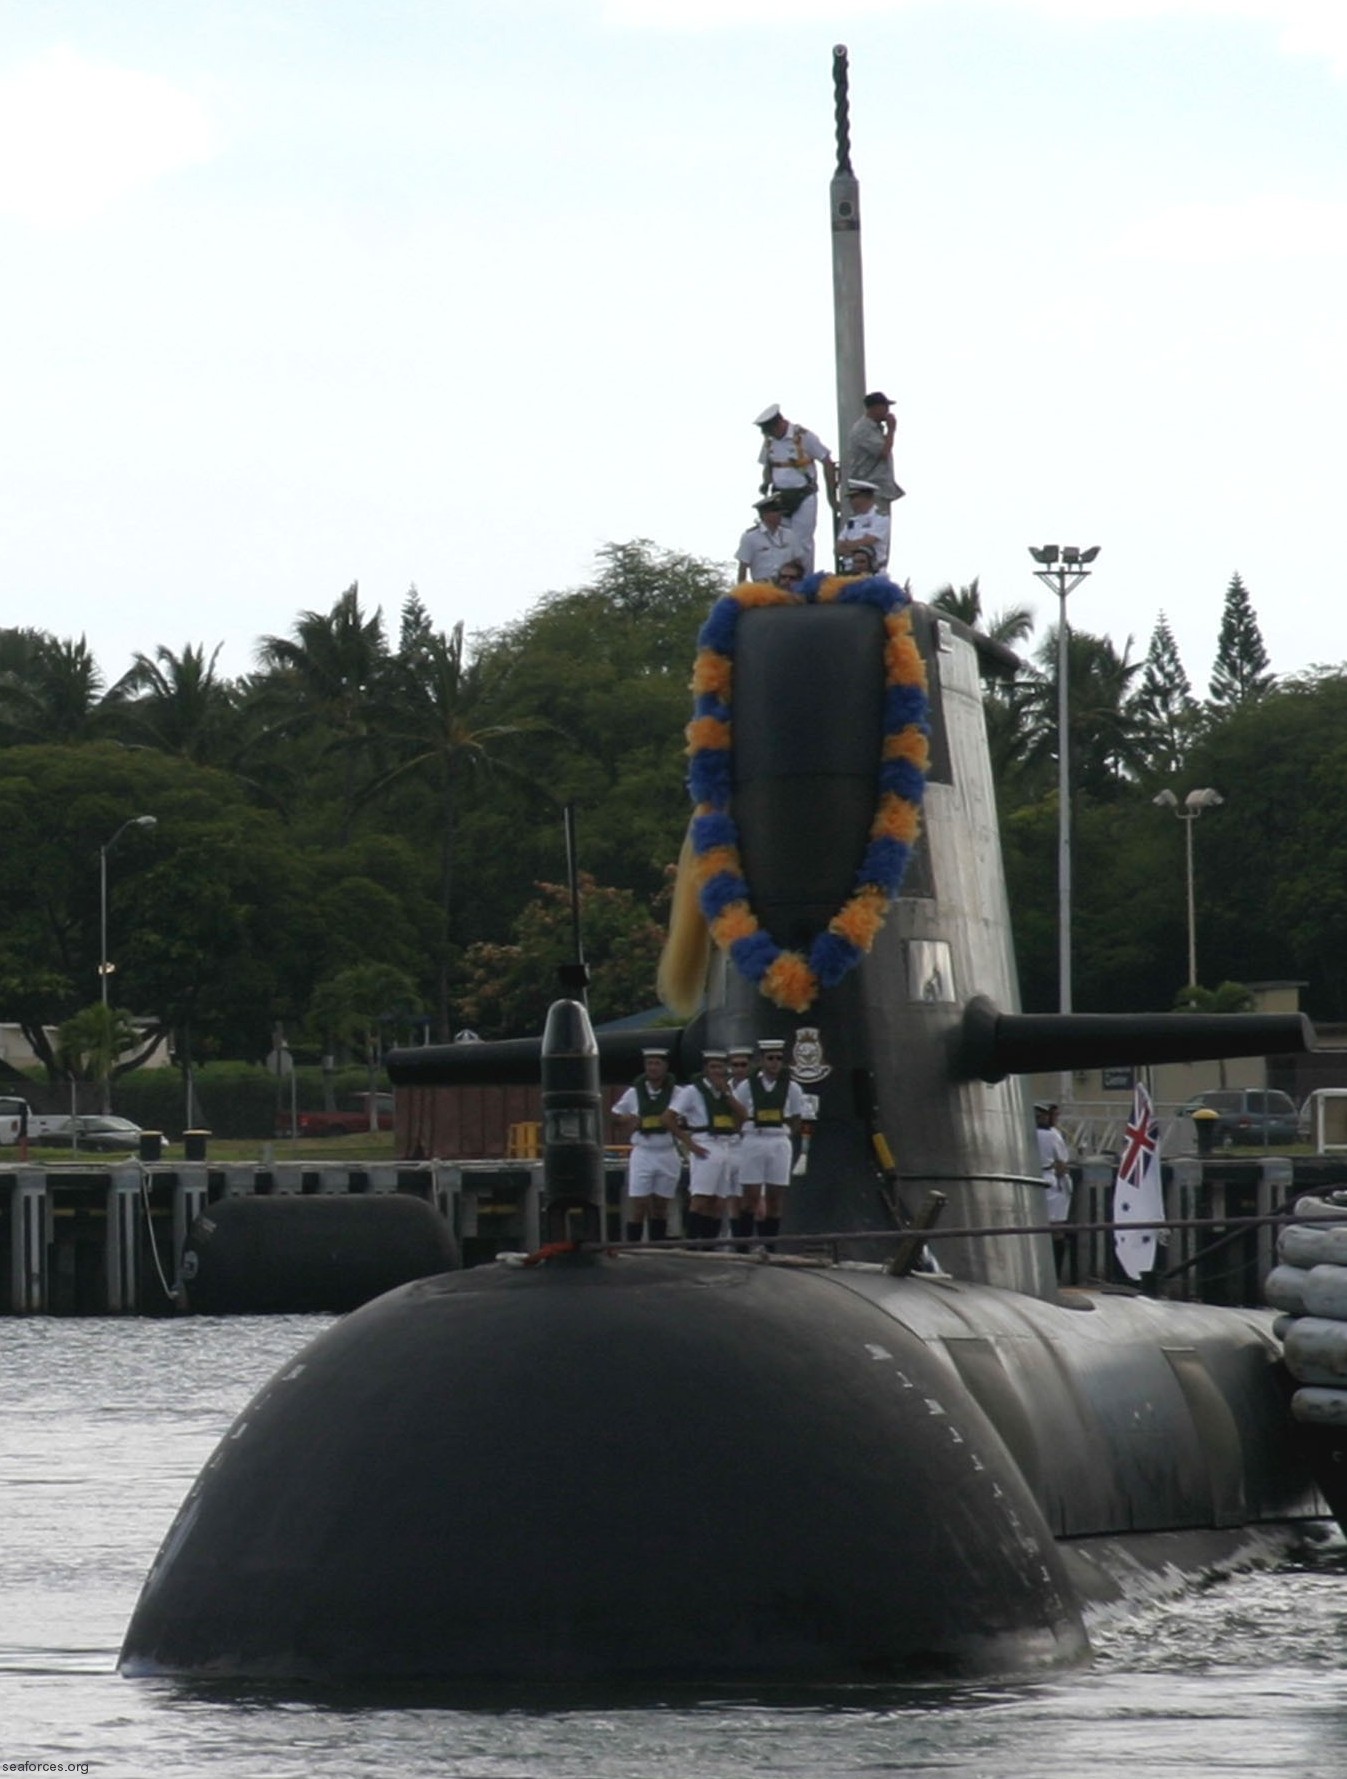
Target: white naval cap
<point>771,1043</point>
<point>857,487</point>
<point>653,1050</point>
<point>768,415</point>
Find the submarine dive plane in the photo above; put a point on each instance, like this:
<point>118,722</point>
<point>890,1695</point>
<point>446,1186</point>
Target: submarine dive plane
<point>615,1467</point>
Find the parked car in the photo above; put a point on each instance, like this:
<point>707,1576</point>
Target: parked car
<point>91,1131</point>
<point>1248,1117</point>
<point>352,1121</point>
<point>1333,1115</point>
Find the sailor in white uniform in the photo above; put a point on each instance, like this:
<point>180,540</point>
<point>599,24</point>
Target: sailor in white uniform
<point>775,1105</point>
<point>765,548</point>
<point>866,526</point>
<point>710,1115</point>
<point>655,1163</point>
<point>791,457</point>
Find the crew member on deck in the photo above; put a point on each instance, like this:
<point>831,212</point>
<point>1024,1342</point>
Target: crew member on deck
<point>865,527</point>
<point>790,458</point>
<point>741,1061</point>
<point>655,1163</point>
<point>1055,1160</point>
<point>711,1115</point>
<point>870,450</point>
<point>776,1105</point>
<point>767,546</point>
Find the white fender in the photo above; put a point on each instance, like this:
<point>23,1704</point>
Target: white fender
<point>1284,1289</point>
<point>1325,1291</point>
<point>1322,1408</point>
<point>1306,1245</point>
<point>1316,1351</point>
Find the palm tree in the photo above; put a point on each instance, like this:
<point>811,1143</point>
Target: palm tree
<point>51,690</point>
<point>176,703</point>
<point>331,677</point>
<point>1014,625</point>
<point>442,730</point>
<point>1110,724</point>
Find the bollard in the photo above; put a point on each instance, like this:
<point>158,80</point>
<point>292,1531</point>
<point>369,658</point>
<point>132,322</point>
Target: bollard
<point>151,1145</point>
<point>194,1144</point>
<point>1204,1123</point>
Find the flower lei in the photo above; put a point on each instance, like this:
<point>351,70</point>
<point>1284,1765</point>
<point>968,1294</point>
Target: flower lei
<point>789,978</point>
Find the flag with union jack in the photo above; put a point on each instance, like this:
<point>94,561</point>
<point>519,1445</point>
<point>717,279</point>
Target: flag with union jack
<point>1138,1196</point>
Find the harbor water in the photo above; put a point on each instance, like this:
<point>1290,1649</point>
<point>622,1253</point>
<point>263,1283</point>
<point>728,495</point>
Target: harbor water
<point>104,1424</point>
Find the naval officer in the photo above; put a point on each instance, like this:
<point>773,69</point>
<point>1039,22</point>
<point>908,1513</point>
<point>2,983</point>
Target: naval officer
<point>865,528</point>
<point>870,449</point>
<point>775,1105</point>
<point>791,457</point>
<point>765,548</point>
<point>710,1115</point>
<point>655,1163</point>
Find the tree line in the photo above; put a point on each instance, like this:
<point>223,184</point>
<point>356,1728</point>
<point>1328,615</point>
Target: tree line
<point>361,839</point>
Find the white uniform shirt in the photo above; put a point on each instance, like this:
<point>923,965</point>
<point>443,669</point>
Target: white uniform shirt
<point>1052,1148</point>
<point>868,458</point>
<point>764,552</point>
<point>779,457</point>
<point>859,525</point>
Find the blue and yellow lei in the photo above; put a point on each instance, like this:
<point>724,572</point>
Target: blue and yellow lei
<point>789,978</point>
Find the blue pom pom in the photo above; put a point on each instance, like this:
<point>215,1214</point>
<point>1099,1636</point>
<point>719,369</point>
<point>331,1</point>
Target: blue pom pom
<point>713,830</point>
<point>904,705</point>
<point>708,704</point>
<point>709,776</point>
<point>719,629</point>
<point>719,891</point>
<point>754,956</point>
<point>884,863</point>
<point>903,779</point>
<point>832,957</point>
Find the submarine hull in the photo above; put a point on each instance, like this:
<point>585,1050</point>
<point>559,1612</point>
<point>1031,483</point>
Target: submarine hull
<point>624,1469</point>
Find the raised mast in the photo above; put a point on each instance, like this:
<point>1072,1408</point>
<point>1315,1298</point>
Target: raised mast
<point>848,293</point>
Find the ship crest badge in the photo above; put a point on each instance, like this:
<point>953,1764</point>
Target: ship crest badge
<point>806,1057</point>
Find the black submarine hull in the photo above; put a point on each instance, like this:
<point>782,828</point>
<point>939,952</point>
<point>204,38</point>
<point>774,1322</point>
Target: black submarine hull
<point>672,1468</point>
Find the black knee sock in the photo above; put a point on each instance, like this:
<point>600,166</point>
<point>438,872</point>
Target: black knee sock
<point>634,1231</point>
<point>769,1228</point>
<point>742,1229</point>
<point>659,1228</point>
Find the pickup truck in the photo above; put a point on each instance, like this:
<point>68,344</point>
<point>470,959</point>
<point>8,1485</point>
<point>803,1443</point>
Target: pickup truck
<point>40,1124</point>
<point>354,1121</point>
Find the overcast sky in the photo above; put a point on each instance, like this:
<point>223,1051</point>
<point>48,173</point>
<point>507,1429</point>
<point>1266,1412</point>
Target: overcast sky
<point>301,292</point>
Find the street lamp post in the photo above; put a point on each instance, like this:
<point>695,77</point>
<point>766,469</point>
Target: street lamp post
<point>1063,569</point>
<point>1188,811</point>
<point>105,969</point>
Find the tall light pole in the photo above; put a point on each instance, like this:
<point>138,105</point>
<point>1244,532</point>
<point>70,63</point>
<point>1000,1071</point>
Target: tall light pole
<point>1188,811</point>
<point>105,969</point>
<point>1063,569</point>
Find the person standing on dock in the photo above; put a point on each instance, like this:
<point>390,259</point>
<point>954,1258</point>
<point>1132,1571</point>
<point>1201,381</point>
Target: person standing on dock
<point>711,1115</point>
<point>766,547</point>
<point>865,529</point>
<point>870,449</point>
<point>1055,1160</point>
<point>775,1105</point>
<point>791,457</point>
<point>655,1162</point>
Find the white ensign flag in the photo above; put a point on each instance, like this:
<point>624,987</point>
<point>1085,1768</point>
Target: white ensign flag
<point>1137,1195</point>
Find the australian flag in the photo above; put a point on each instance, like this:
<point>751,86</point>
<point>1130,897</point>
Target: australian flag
<point>1137,1195</point>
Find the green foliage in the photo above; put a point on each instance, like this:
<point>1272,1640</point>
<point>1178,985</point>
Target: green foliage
<point>1240,674</point>
<point>1229,997</point>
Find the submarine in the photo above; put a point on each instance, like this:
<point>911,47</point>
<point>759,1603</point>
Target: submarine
<point>610,1466</point>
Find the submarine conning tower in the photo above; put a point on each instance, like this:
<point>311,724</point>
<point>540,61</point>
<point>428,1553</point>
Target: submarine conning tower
<point>923,1041</point>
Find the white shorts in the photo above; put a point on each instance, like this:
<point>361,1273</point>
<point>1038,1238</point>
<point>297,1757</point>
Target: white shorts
<point>764,1159</point>
<point>653,1172</point>
<point>708,1175</point>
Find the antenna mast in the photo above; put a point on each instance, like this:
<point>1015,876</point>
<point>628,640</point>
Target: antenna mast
<point>848,293</point>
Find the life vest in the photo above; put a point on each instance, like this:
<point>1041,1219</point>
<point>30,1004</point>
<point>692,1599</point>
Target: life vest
<point>719,1118</point>
<point>769,1101</point>
<point>650,1107</point>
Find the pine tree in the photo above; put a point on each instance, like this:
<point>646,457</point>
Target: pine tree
<point>1240,675</point>
<point>1167,699</point>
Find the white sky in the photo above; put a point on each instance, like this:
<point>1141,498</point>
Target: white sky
<point>300,292</point>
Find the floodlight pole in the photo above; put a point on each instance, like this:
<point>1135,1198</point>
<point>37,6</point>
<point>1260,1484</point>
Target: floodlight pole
<point>1188,811</point>
<point>1063,570</point>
